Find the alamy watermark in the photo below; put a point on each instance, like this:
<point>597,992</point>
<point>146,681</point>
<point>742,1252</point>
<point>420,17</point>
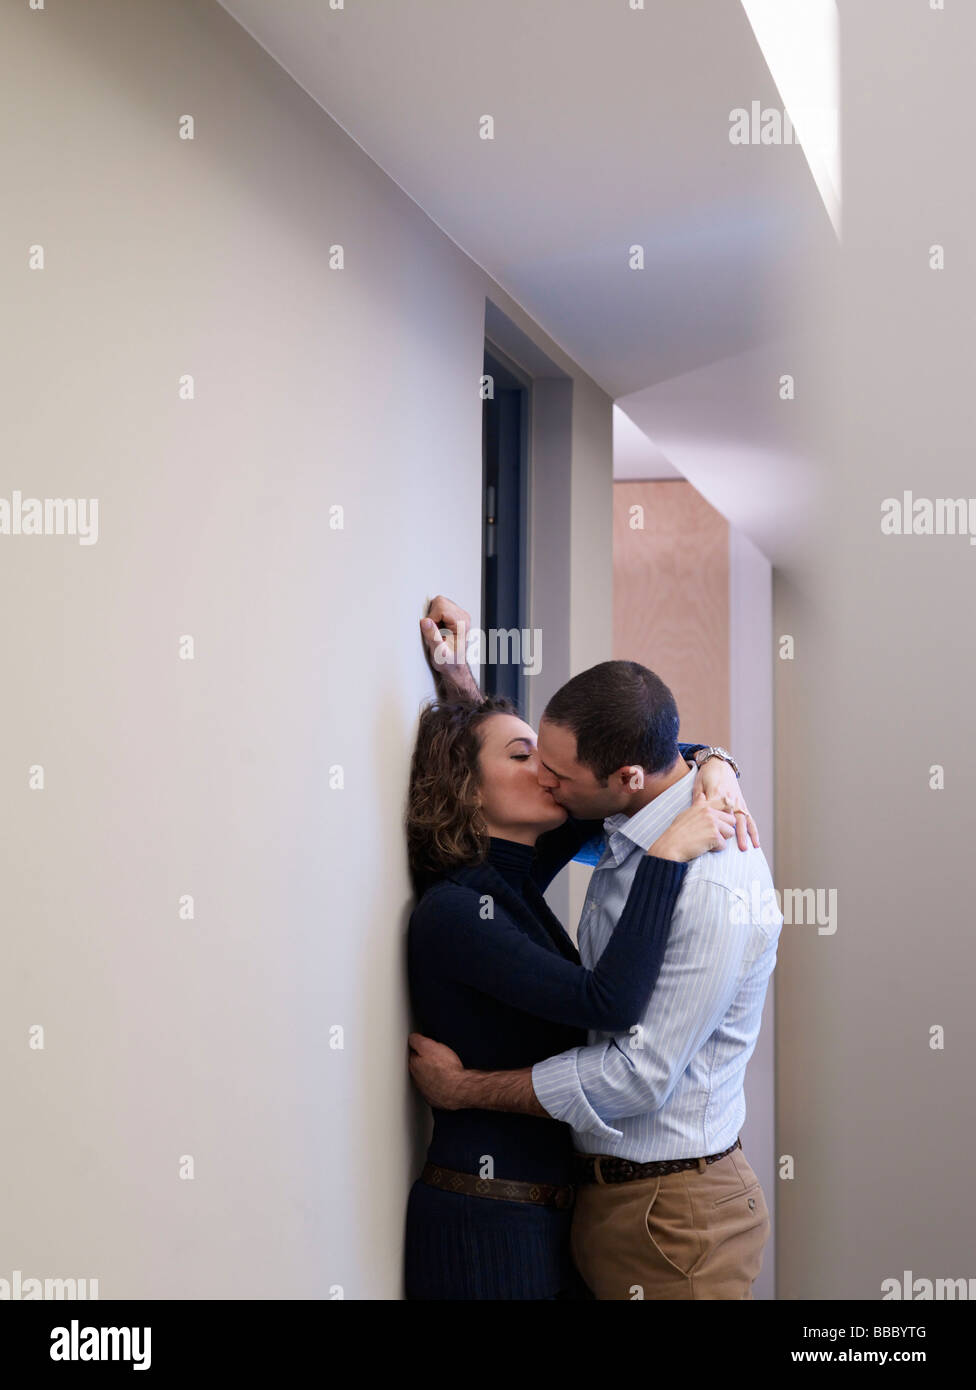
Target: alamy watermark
<point>909,515</point>
<point>17,1287</point>
<point>498,646</point>
<point>771,125</point>
<point>77,1343</point>
<point>921,1290</point>
<point>793,907</point>
<point>50,516</point>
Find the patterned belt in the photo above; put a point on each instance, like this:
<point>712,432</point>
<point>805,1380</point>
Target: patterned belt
<point>542,1194</point>
<point>614,1169</point>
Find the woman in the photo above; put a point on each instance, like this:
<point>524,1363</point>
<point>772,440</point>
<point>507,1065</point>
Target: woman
<point>494,976</point>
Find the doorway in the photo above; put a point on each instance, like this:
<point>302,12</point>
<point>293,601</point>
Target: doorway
<point>505,432</point>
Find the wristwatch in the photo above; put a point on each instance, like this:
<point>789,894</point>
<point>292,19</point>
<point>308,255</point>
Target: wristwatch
<point>702,755</point>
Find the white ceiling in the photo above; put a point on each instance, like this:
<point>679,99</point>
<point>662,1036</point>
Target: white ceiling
<point>611,128</point>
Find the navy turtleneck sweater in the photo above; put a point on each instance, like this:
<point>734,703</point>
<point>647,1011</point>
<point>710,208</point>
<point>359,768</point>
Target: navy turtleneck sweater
<point>494,976</point>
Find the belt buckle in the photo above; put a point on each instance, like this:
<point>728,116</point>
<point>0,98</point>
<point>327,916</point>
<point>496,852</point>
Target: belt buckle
<point>563,1197</point>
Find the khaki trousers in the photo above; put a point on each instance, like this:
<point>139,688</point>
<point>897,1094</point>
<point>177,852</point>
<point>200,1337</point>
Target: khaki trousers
<point>695,1234</point>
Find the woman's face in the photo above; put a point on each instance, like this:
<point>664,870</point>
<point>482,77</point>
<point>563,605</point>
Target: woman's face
<point>514,805</point>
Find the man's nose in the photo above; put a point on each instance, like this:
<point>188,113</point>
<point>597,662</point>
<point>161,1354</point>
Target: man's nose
<point>546,778</point>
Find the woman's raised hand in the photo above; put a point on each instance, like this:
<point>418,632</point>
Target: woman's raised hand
<point>717,780</point>
<point>704,826</point>
<point>448,649</point>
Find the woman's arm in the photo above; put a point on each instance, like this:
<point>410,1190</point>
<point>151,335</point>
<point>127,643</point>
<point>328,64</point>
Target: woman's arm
<point>497,958</point>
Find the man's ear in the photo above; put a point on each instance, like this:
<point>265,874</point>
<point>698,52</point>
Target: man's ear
<point>632,778</point>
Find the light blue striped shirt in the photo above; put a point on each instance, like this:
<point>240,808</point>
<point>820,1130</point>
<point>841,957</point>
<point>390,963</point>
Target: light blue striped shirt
<point>672,1087</point>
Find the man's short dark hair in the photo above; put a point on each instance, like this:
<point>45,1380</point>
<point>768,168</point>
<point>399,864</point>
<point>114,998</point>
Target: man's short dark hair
<point>622,714</point>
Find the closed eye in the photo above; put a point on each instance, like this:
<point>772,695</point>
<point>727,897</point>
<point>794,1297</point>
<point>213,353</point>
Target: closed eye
<point>521,757</point>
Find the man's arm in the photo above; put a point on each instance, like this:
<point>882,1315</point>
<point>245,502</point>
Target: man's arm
<point>589,1086</point>
<point>503,1090</point>
<point>446,653</point>
<point>446,1085</point>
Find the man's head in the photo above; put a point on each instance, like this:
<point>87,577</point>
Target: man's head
<point>604,736</point>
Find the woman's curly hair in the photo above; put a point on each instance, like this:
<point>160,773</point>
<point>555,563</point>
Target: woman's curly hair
<point>444,824</point>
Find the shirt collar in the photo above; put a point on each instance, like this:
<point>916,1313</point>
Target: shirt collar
<point>640,830</point>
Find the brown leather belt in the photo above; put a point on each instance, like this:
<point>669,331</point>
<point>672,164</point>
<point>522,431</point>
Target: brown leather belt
<point>469,1185</point>
<point>613,1169</point>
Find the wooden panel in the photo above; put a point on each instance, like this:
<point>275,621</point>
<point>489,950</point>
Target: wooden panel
<point>671,598</point>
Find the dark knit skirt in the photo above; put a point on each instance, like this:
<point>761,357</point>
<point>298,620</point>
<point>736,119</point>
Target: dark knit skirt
<point>460,1247</point>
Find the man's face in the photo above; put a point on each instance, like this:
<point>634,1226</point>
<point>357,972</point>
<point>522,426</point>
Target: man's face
<point>573,785</point>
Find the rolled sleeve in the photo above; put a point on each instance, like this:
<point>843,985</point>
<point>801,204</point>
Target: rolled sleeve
<point>558,1088</point>
<point>620,1081</point>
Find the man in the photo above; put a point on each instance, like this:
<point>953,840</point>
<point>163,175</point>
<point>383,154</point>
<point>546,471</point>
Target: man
<point>667,1206</point>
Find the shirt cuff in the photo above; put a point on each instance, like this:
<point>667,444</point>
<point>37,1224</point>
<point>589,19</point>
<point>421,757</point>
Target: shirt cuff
<point>557,1087</point>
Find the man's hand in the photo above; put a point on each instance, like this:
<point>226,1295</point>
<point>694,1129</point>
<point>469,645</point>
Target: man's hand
<point>716,779</point>
<point>447,654</point>
<point>437,1072</point>
<point>444,1081</point>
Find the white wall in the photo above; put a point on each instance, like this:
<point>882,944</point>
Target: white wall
<point>210,777</point>
<point>752,733</point>
<point>880,1123</point>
